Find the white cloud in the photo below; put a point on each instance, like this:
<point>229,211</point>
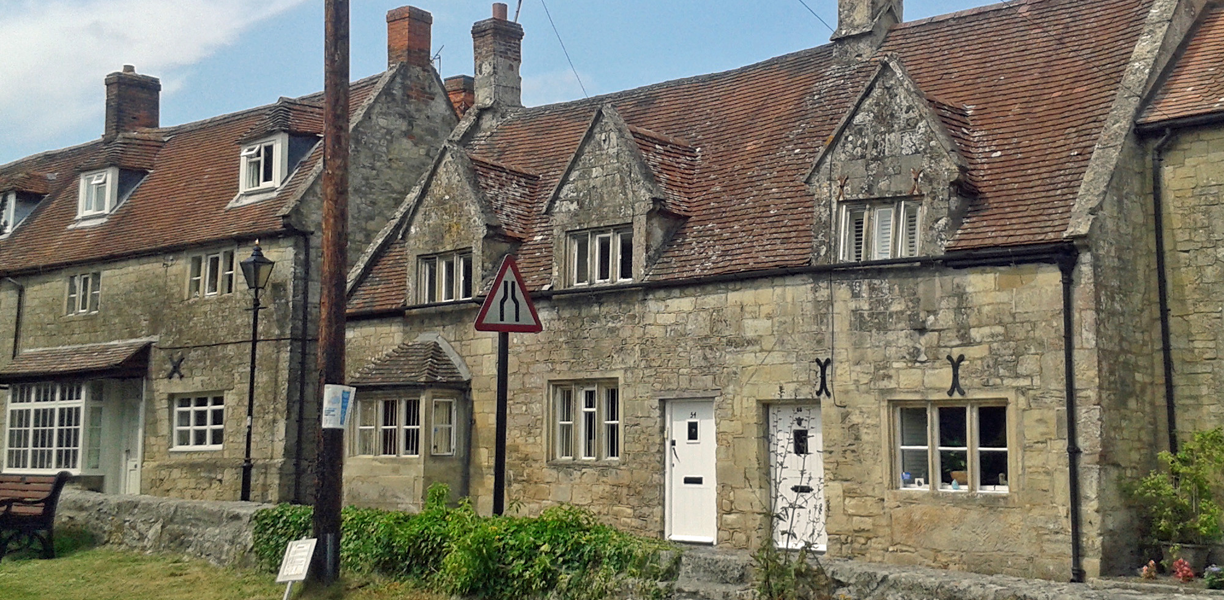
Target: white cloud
<point>55,53</point>
<point>555,86</point>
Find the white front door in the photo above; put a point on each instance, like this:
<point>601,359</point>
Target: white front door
<point>132,421</point>
<point>692,508</point>
<point>797,470</point>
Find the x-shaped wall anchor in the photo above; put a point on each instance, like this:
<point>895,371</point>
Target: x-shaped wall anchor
<point>176,366</point>
<point>824,378</point>
<point>956,365</point>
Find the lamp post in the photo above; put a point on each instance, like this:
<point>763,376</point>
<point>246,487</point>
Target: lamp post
<point>256,270</point>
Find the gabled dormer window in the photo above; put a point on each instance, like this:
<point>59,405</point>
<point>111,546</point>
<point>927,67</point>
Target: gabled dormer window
<point>99,193</point>
<point>264,164</point>
<point>601,256</point>
<point>445,277</point>
<point>880,230</point>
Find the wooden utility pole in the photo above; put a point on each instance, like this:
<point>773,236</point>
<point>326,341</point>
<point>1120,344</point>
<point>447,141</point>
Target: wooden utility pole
<point>330,461</point>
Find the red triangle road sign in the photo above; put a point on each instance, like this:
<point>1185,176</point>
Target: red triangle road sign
<point>508,307</point>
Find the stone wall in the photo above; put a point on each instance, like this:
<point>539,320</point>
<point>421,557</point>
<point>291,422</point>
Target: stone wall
<point>219,532</point>
<point>1193,191</point>
<point>754,343</point>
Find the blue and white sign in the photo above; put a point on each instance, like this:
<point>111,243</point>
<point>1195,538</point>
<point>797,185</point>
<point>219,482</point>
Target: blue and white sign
<point>337,404</point>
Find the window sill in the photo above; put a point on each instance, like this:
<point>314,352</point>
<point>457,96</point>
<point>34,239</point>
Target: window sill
<point>92,313</point>
<point>253,196</point>
<point>585,462</point>
<point>447,305</point>
<point>89,221</point>
<point>74,472</point>
<point>385,457</point>
<point>944,497</point>
<point>186,449</point>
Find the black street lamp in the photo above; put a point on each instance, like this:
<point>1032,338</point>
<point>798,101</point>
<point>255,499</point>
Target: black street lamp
<point>256,270</point>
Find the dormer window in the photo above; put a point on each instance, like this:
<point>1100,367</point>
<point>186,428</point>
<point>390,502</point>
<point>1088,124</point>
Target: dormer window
<point>880,230</point>
<point>14,208</point>
<point>445,277</point>
<point>264,164</point>
<point>99,192</point>
<point>601,256</point>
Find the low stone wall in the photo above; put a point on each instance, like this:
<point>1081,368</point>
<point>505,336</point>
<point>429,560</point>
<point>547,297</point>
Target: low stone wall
<point>219,532</point>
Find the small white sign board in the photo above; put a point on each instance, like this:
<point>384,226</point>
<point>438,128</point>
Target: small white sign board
<point>337,404</point>
<point>297,561</point>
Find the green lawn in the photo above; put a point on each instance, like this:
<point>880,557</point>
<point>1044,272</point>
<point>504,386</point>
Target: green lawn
<point>81,572</point>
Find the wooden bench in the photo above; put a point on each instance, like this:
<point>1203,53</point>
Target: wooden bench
<point>28,506</point>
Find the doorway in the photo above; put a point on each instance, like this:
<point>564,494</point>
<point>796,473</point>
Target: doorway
<point>692,493</point>
<point>797,473</point>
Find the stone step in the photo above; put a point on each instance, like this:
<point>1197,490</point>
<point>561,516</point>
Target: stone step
<point>707,565</point>
<point>692,590</point>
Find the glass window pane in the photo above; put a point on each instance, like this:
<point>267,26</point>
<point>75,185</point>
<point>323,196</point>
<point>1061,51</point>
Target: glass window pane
<point>914,426</point>
<point>993,469</point>
<point>217,436</point>
<point>448,278</point>
<point>200,437</point>
<point>214,274</point>
<point>856,234</point>
<point>466,275</point>
<point>914,468</point>
<point>218,416</point>
<point>604,258</point>
<point>267,163</point>
<point>184,418</point>
<point>953,467</point>
<point>992,427</point>
<point>365,442</point>
<point>368,414</point>
<point>582,260</point>
<point>952,432</point>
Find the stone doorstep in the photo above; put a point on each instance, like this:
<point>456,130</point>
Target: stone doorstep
<point>711,573</point>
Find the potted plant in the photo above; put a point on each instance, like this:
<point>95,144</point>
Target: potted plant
<point>1177,502</point>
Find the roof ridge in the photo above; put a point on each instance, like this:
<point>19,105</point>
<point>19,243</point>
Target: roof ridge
<point>968,12</point>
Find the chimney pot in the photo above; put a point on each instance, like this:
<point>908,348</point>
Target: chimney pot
<point>408,36</point>
<point>132,102</point>
<point>497,50</point>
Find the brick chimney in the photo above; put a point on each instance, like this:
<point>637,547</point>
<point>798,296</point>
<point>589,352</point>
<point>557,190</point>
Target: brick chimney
<point>497,48</point>
<point>462,92</point>
<point>408,36</point>
<point>132,102</point>
<point>858,17</point>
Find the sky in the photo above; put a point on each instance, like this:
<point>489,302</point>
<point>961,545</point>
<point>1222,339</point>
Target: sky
<point>220,56</point>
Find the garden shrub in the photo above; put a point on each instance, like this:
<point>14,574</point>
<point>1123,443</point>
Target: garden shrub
<point>565,551</point>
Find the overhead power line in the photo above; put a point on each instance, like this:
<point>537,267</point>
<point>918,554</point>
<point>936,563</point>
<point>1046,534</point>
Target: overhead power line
<point>563,50</point>
<point>826,24</point>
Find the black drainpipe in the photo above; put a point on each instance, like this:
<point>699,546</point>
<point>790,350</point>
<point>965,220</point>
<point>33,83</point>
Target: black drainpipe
<point>1066,265</point>
<point>17,319</point>
<point>303,340</point>
<point>1162,284</point>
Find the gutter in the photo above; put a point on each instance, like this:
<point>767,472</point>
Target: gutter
<point>17,319</point>
<point>1162,284</point>
<point>1066,265</point>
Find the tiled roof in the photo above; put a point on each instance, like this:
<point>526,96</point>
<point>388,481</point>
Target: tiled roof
<point>193,176</point>
<point>1023,88</point>
<point>1195,87</point>
<point>129,358</point>
<point>415,363</point>
<point>386,283</point>
<point>510,192</point>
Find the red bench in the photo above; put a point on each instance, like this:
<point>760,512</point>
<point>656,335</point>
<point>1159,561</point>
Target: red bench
<point>28,505</point>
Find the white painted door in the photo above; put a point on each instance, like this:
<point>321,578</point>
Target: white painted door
<point>692,508</point>
<point>797,469</point>
<point>132,422</point>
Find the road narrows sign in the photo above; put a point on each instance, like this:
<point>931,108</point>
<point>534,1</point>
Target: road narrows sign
<point>508,307</point>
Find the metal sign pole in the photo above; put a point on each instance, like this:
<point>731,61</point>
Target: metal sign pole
<point>499,460</point>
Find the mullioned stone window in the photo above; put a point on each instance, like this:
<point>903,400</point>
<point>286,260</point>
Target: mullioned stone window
<point>445,277</point>
<point>601,256</point>
<point>211,274</point>
<point>586,421</point>
<point>84,293</point>
<point>389,427</point>
<point>880,230</point>
<point>963,444</point>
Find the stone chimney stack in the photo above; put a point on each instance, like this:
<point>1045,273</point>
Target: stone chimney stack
<point>497,48</point>
<point>461,89</point>
<point>858,17</point>
<point>408,37</point>
<point>132,102</point>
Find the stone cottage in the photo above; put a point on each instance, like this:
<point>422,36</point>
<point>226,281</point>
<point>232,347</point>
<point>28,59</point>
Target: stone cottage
<point>902,290</point>
<point>125,317</point>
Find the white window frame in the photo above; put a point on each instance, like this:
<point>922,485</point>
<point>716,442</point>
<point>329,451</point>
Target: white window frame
<point>83,294</point>
<point>204,279</point>
<point>64,440</point>
<point>442,438</point>
<point>598,256</point>
<point>371,423</point>
<point>98,194</point>
<point>8,212</point>
<point>973,448</point>
<point>254,173</point>
<point>445,277</point>
<point>193,406</point>
<point>880,230</point>
<point>586,419</point>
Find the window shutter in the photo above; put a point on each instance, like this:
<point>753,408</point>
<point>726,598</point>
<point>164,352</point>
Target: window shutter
<point>882,233</point>
<point>911,230</point>
<point>855,240</point>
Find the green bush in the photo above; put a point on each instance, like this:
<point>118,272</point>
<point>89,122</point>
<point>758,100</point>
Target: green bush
<point>1180,503</point>
<point>565,551</point>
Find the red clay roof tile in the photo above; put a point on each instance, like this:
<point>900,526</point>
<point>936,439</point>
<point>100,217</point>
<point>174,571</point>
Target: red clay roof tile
<point>1195,86</point>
